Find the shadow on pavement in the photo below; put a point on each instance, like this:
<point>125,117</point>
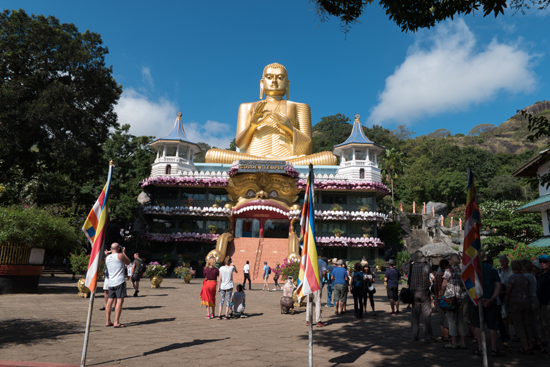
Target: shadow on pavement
<point>149,322</point>
<point>141,308</point>
<point>29,331</point>
<point>181,345</point>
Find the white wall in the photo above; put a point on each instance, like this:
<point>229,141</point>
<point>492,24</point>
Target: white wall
<point>542,171</point>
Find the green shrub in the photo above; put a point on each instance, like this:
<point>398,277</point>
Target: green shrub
<point>391,233</point>
<point>38,228</point>
<point>401,258</point>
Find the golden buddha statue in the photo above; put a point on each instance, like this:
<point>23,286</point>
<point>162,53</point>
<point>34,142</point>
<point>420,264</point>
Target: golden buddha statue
<point>274,129</point>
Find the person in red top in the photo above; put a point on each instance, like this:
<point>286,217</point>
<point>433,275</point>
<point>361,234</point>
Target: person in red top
<point>208,291</point>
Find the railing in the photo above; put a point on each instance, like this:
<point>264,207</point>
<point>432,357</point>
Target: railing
<point>172,160</point>
<point>258,256</point>
<point>14,254</point>
<point>359,163</point>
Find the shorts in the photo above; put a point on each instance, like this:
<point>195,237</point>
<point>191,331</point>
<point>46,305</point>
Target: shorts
<point>339,293</point>
<point>118,292</point>
<point>135,278</point>
<point>226,296</point>
<point>490,315</point>
<point>392,293</point>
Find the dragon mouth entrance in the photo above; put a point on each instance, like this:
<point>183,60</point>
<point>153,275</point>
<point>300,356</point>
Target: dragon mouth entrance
<point>261,205</point>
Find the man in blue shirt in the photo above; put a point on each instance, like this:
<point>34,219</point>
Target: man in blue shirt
<point>266,276</point>
<point>392,277</point>
<point>340,278</point>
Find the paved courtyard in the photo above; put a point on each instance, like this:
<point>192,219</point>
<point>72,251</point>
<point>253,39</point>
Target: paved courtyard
<point>166,327</point>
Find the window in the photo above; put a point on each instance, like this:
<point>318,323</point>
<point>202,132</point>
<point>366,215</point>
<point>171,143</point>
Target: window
<point>247,228</point>
<point>213,196</point>
<point>161,225</point>
<point>192,225</point>
<point>223,225</point>
<point>168,169</point>
<point>193,194</point>
<point>166,195</point>
<point>327,228</point>
<point>334,198</point>
<point>361,199</point>
<point>362,173</point>
<point>276,228</point>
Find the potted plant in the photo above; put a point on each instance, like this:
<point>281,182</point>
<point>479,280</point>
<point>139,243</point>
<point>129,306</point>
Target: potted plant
<point>184,272</point>
<point>337,232</point>
<point>188,202</point>
<point>155,272</point>
<point>364,208</point>
<point>380,264</point>
<point>212,228</point>
<point>166,259</point>
<point>367,231</point>
<point>336,207</point>
<point>79,265</point>
<point>185,259</point>
<point>217,203</point>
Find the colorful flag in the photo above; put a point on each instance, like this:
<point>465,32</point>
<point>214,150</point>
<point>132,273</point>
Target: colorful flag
<point>471,263</point>
<point>309,269</point>
<point>95,228</point>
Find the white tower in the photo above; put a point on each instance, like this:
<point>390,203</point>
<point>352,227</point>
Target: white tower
<point>358,155</point>
<point>175,152</point>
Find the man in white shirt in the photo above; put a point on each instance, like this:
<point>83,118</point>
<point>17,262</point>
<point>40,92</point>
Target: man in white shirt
<point>316,296</point>
<point>246,271</point>
<point>116,262</point>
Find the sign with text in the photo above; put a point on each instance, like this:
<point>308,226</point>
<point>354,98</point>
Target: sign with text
<point>246,166</point>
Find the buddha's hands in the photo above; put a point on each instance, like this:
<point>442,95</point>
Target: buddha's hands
<point>283,123</point>
<point>258,115</point>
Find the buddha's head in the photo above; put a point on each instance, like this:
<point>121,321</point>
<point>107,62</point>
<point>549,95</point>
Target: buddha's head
<point>274,81</point>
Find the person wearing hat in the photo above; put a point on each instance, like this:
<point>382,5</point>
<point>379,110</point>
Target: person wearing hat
<point>543,293</point>
<point>392,277</point>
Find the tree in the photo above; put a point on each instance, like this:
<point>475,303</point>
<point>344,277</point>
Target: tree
<point>233,145</point>
<point>505,228</point>
<point>482,128</point>
<point>57,99</point>
<point>413,15</point>
<point>392,167</point>
<point>199,158</point>
<point>330,131</point>
<point>440,134</point>
<point>402,133</point>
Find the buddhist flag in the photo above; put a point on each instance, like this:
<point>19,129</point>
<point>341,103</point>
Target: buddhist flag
<point>94,228</point>
<point>471,263</point>
<point>309,269</point>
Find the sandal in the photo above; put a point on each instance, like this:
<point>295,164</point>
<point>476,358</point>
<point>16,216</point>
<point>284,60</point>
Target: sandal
<point>219,317</point>
<point>452,346</point>
<point>478,352</point>
<point>497,353</point>
<point>226,318</point>
<point>463,346</point>
<point>446,339</point>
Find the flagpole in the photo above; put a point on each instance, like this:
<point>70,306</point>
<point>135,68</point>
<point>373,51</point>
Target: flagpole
<point>310,308</point>
<point>96,271</point>
<point>482,327</point>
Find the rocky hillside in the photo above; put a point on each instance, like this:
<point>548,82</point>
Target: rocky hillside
<point>509,136</point>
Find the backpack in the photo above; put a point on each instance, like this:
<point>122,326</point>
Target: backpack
<point>142,267</point>
<point>268,270</point>
<point>357,279</point>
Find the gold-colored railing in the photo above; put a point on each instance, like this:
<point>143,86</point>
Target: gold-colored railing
<point>14,254</point>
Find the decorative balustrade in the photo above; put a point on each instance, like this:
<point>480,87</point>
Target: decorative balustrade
<point>181,237</point>
<point>349,242</point>
<point>184,210</point>
<point>14,254</point>
<point>366,216</point>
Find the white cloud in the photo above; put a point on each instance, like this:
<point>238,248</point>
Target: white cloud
<point>451,74</point>
<point>147,78</point>
<point>156,118</point>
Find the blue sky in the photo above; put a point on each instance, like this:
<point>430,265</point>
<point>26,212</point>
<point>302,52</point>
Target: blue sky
<point>204,58</point>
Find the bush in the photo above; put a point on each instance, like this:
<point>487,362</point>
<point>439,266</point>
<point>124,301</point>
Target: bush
<point>520,252</point>
<point>79,262</point>
<point>401,258</point>
<point>391,233</point>
<point>290,268</point>
<point>38,228</point>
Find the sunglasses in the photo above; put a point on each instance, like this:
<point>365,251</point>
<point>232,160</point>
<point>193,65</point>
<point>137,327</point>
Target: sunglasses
<point>543,261</point>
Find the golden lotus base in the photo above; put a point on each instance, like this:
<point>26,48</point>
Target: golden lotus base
<point>155,281</point>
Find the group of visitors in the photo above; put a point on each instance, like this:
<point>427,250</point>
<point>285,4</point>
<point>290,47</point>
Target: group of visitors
<point>222,280</point>
<point>517,294</point>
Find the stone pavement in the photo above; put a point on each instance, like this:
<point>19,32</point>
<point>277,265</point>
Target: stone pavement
<point>166,327</point>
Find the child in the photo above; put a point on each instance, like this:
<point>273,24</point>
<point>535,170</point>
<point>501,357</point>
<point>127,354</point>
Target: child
<point>238,302</point>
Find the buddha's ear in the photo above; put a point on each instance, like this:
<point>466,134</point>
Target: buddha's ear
<point>287,90</point>
<point>261,88</point>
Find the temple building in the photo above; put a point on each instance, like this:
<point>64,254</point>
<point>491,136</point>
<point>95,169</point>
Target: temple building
<point>247,203</point>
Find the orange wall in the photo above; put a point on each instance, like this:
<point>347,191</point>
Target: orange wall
<point>242,249</point>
